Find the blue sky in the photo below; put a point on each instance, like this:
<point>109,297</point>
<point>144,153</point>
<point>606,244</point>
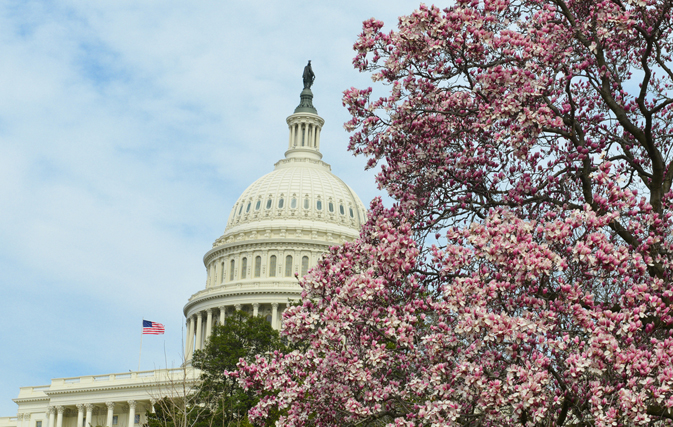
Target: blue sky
<point>127,131</point>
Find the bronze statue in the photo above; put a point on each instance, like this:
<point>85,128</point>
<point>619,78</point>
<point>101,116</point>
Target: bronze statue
<point>308,76</point>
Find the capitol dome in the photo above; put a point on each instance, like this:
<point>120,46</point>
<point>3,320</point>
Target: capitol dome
<point>299,192</point>
<point>277,229</point>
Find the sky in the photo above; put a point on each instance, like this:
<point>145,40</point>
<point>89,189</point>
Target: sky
<point>128,129</point>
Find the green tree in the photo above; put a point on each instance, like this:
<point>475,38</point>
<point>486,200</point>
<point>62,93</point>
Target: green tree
<point>218,401</point>
<point>241,337</point>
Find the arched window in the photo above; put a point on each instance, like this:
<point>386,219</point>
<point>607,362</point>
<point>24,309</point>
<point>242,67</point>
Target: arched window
<point>281,203</point>
<point>258,266</point>
<point>268,204</point>
<point>341,210</point>
<point>241,209</point>
<point>304,265</point>
<point>351,211</point>
<point>306,203</point>
<point>330,206</point>
<point>222,273</point>
<point>258,205</point>
<point>293,203</point>
<point>318,205</point>
<point>288,266</point>
<point>272,266</point>
<point>247,209</point>
<point>244,267</point>
<point>231,270</point>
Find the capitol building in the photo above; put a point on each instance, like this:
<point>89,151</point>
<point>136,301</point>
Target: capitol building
<point>277,228</point>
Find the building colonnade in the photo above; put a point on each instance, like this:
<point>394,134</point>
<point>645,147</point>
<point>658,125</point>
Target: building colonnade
<point>56,414</point>
<point>200,324</point>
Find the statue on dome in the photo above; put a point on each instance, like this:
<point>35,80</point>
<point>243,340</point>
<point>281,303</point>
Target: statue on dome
<point>308,76</point>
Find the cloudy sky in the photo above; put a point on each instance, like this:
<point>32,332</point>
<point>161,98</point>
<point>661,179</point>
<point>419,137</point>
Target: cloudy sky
<point>128,128</point>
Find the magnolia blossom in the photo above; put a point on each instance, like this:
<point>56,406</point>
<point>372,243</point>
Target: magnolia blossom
<point>524,274</point>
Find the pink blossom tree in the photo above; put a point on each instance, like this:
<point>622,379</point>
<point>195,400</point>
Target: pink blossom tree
<point>524,275</point>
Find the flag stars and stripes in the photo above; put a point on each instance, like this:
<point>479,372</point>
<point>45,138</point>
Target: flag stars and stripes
<point>152,328</point>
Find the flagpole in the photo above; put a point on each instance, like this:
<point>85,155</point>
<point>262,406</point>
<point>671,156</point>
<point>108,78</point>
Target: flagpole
<point>141,344</point>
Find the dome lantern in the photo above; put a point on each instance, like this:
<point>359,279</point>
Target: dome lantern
<point>305,124</point>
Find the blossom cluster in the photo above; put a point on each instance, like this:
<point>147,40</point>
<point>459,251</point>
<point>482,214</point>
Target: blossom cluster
<point>524,275</point>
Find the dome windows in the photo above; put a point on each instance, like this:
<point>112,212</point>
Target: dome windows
<point>307,203</point>
<point>351,212</point>
<point>318,205</point>
<point>330,206</point>
<point>268,203</point>
<point>288,266</point>
<point>341,210</point>
<point>304,265</point>
<point>231,270</point>
<point>258,266</point>
<point>293,203</point>
<point>241,209</point>
<point>258,205</point>
<point>281,203</point>
<point>272,266</point>
<point>244,267</point>
<point>247,208</point>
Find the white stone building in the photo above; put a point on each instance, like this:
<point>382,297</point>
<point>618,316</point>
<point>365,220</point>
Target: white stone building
<point>279,226</point>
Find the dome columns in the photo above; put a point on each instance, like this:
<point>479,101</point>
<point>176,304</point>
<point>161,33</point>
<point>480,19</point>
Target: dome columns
<point>304,140</point>
<point>255,307</point>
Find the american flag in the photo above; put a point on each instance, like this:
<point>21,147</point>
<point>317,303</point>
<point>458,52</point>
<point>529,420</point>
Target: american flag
<point>152,328</point>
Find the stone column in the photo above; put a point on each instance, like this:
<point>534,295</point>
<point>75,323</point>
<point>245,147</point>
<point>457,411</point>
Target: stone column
<point>222,314</point>
<point>59,416</point>
<point>199,330</point>
<point>317,139</point>
<point>255,309</point>
<point>274,315</point>
<point>89,415</point>
<point>52,416</point>
<point>80,414</point>
<point>19,419</point>
<point>110,411</point>
<point>209,324</point>
<point>132,413</point>
<point>189,345</point>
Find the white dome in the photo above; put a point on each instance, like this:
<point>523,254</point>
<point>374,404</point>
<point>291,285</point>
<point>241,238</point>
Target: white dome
<point>299,191</point>
<point>278,229</point>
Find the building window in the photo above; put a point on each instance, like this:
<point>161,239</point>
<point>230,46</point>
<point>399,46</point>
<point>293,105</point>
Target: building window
<point>115,420</point>
<point>244,267</point>
<point>281,203</point>
<point>222,273</point>
<point>293,203</point>
<point>258,205</point>
<point>136,420</point>
<point>258,266</point>
<point>288,266</point>
<point>268,204</point>
<point>241,209</point>
<point>268,318</point>
<point>304,265</point>
<point>231,269</point>
<point>247,209</point>
<point>306,203</point>
<point>272,266</point>
<point>38,423</point>
<point>351,211</point>
<point>330,206</point>
<point>318,205</point>
<point>341,210</point>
